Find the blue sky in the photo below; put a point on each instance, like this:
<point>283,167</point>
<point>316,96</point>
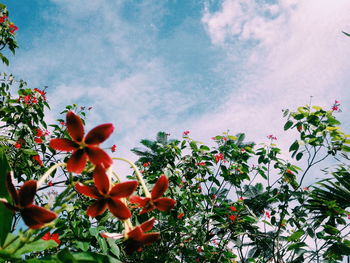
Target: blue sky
<point>207,66</point>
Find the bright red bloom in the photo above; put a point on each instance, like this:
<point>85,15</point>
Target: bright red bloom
<point>83,147</point>
<point>62,123</point>
<point>37,158</point>
<point>219,157</point>
<point>271,137</point>
<point>181,215</point>
<point>2,19</point>
<point>18,145</point>
<point>241,198</point>
<point>113,148</point>
<point>106,195</point>
<point>50,183</point>
<point>267,214</point>
<point>348,216</point>
<point>186,133</point>
<point>13,28</point>
<point>38,140</point>
<point>39,132</point>
<point>54,237</point>
<point>155,201</point>
<point>232,218</point>
<point>33,216</point>
<point>137,238</point>
<point>201,164</point>
<point>233,208</point>
<point>146,164</point>
<point>41,92</point>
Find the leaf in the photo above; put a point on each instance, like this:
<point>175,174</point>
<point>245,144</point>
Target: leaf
<point>288,125</point>
<point>347,34</point>
<point>36,246</point>
<point>299,156</point>
<point>294,146</point>
<point>5,214</point>
<point>296,235</point>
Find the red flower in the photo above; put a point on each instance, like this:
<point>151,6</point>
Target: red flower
<point>218,157</point>
<point>271,137</point>
<point>62,123</point>
<point>2,19</point>
<point>18,145</point>
<point>38,140</point>
<point>155,201</point>
<point>185,133</point>
<point>348,216</point>
<point>106,195</point>
<point>201,164</point>
<point>113,148</point>
<point>83,147</point>
<point>54,237</point>
<point>232,218</point>
<point>288,171</point>
<point>146,164</point>
<point>41,92</point>
<point>50,183</point>
<point>181,215</point>
<point>241,198</point>
<point>33,216</point>
<point>13,28</point>
<point>137,238</point>
<point>233,208</point>
<point>267,214</point>
<point>37,158</point>
<point>39,132</point>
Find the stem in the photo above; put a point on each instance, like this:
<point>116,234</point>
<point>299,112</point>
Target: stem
<point>48,172</point>
<point>138,174</point>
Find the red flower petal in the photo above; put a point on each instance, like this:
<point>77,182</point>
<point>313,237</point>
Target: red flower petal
<point>63,145</point>
<point>99,134</point>
<point>149,207</point>
<point>141,201</point>
<point>75,126</point>
<point>55,237</point>
<point>101,180</point>
<point>26,193</point>
<point>148,225</point>
<point>97,208</point>
<point>98,156</point>
<point>88,191</point>
<point>149,238</point>
<point>46,236</point>
<point>77,162</point>
<point>11,188</point>
<point>160,187</point>
<point>123,190</point>
<point>136,233</point>
<point>164,204</point>
<point>36,217</point>
<point>118,209</point>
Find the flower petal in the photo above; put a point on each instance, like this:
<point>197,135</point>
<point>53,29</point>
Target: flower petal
<point>63,145</point>
<point>118,209</point>
<point>26,193</point>
<point>141,201</point>
<point>98,156</point>
<point>87,190</point>
<point>112,235</point>
<point>36,217</point>
<point>11,188</point>
<point>148,225</point>
<point>164,204</point>
<point>123,190</point>
<point>77,162</point>
<point>148,239</point>
<point>160,187</point>
<point>101,180</point>
<point>97,208</point>
<point>99,134</point>
<point>75,126</point>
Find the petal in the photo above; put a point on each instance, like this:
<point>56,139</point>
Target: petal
<point>160,187</point>
<point>112,235</point>
<point>98,156</point>
<point>99,134</point>
<point>135,234</point>
<point>148,239</point>
<point>63,145</point>
<point>11,188</point>
<point>88,191</point>
<point>101,180</point>
<point>97,208</point>
<point>141,201</point>
<point>148,225</point>
<point>123,190</point>
<point>26,193</point>
<point>77,162</point>
<point>119,209</point>
<point>8,205</point>
<point>164,204</point>
<point>46,236</point>
<point>36,217</point>
<point>147,209</point>
<point>75,126</point>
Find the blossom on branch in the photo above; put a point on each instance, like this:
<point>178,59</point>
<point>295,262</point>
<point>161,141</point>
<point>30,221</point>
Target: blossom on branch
<point>155,201</point>
<point>33,216</point>
<point>106,195</point>
<point>83,147</point>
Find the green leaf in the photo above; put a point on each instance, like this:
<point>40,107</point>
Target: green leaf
<point>294,146</point>
<point>36,246</point>
<point>299,156</point>
<point>347,34</point>
<point>296,235</point>
<point>288,125</point>
<point>5,214</point>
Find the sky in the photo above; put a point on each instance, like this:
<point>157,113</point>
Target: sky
<point>206,66</point>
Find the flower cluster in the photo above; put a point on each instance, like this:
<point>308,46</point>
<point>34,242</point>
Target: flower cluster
<point>336,105</point>
<point>271,137</point>
<point>219,157</point>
